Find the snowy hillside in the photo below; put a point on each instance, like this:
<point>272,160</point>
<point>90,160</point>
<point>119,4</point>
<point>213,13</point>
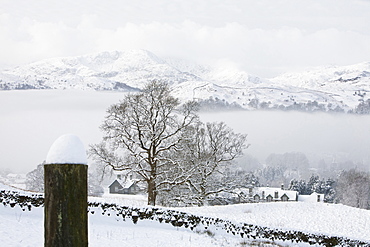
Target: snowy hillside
<point>108,228</point>
<point>127,70</point>
<point>26,229</point>
<point>324,218</point>
<point>324,89</point>
<point>349,84</point>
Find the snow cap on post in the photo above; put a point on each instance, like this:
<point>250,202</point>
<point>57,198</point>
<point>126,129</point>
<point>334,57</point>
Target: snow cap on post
<point>67,149</point>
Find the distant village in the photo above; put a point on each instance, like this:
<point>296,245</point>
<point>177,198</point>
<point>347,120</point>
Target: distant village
<point>126,184</point>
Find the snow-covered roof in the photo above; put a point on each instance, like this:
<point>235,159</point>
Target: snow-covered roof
<point>128,183</point>
<point>125,183</point>
<point>67,149</point>
<point>264,192</point>
<point>271,191</point>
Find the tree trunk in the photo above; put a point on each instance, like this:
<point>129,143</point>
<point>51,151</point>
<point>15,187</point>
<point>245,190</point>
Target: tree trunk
<point>152,193</point>
<point>152,186</point>
<point>65,210</point>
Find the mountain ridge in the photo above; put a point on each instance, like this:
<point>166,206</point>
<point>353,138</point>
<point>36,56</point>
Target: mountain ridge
<point>335,88</point>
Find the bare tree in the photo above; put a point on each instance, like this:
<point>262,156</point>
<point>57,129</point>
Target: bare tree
<point>35,179</point>
<point>353,189</point>
<point>206,153</point>
<point>141,131</point>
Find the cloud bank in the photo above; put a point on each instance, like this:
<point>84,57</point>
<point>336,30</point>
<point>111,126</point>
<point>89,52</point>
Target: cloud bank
<point>32,120</point>
<point>264,38</point>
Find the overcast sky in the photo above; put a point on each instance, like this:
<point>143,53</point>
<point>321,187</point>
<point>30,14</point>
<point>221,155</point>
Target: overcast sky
<point>262,37</point>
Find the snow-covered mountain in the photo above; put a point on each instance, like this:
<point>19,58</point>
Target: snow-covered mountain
<point>348,85</point>
<point>102,71</point>
<point>326,89</point>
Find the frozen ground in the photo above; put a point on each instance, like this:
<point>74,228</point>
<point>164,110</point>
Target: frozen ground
<point>328,219</point>
<point>23,228</point>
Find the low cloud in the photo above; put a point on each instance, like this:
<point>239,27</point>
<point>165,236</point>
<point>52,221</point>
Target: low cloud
<point>32,120</point>
<point>262,38</point>
<point>321,136</point>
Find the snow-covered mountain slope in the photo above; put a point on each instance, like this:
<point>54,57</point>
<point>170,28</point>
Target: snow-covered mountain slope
<point>115,70</point>
<point>347,84</point>
<point>325,89</point>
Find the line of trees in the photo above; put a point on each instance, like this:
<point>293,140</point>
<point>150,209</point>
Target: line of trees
<point>315,184</point>
<point>351,188</point>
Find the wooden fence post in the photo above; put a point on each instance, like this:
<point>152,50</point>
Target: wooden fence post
<point>65,180</point>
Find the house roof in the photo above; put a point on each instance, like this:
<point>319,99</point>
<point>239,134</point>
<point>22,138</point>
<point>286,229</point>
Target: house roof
<point>125,184</point>
<point>128,183</point>
<point>114,182</point>
<point>292,195</point>
<point>271,191</point>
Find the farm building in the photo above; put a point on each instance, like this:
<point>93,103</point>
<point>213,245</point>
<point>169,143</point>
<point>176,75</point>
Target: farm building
<point>272,194</point>
<point>124,185</point>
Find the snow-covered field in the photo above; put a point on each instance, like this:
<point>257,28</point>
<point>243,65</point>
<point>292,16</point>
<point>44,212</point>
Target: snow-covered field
<point>328,219</point>
<point>24,228</point>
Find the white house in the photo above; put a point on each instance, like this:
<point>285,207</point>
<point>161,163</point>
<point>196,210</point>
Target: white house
<point>270,194</point>
<point>314,197</point>
<point>273,194</point>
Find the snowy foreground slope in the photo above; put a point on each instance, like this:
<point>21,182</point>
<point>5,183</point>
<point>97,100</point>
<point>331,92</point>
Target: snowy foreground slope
<point>20,228</point>
<point>25,228</point>
<point>323,218</point>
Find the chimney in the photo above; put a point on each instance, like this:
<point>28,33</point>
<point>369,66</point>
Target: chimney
<point>282,186</point>
<point>250,191</point>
